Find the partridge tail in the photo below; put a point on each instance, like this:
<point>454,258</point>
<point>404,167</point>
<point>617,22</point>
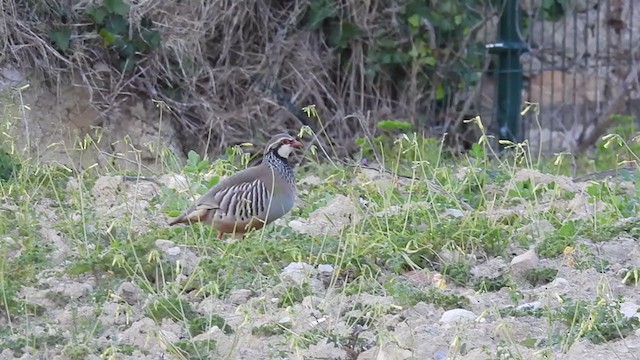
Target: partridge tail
<point>190,216</point>
<point>176,220</point>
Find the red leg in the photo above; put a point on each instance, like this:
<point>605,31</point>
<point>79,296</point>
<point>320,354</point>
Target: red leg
<point>220,233</point>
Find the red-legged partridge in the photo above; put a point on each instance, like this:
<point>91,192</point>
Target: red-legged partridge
<point>250,198</point>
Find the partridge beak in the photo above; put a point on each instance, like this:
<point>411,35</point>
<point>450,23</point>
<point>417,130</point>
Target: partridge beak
<point>297,144</point>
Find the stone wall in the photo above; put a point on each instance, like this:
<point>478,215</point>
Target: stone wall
<point>576,67</point>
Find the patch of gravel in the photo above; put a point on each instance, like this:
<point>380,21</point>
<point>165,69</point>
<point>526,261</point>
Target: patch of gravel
<point>262,328</point>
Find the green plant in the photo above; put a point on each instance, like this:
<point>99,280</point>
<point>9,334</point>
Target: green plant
<point>554,10</point>
<point>173,308</point>
<point>190,349</point>
<point>9,166</point>
<point>270,329</point>
<point>429,37</point>
<point>620,146</point>
<point>410,295</point>
<point>62,225</point>
<point>487,284</point>
<point>457,272</point>
<point>598,322</point>
<point>632,277</point>
<point>200,325</point>
<point>555,243</point>
<point>294,294</point>
<point>130,42</point>
<point>541,276</point>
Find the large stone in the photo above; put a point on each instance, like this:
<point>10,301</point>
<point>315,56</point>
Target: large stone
<point>331,219</point>
<point>456,315</point>
<point>297,273</point>
<point>531,64</point>
<point>583,5</point>
<point>556,87</point>
<point>530,6</point>
<point>566,37</point>
<point>146,335</point>
<point>629,310</point>
<point>525,262</point>
<point>130,293</point>
<point>179,253</point>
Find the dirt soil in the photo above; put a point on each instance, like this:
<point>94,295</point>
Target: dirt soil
<point>423,331</point>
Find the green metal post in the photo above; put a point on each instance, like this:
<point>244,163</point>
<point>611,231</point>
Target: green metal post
<point>509,47</point>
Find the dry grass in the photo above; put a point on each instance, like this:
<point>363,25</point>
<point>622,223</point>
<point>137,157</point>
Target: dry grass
<point>240,66</point>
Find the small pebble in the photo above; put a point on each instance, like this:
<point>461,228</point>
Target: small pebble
<point>454,315</point>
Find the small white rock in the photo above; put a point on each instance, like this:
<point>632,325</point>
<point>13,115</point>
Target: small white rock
<point>525,262</point>
<point>325,269</point>
<point>167,337</point>
<point>130,293</point>
<point>455,315</point>
<point>451,256</point>
<point>174,181</point>
<point>456,213</point>
<point>311,302</point>
<point>629,310</point>
<point>164,245</point>
<point>239,296</point>
<point>76,290</point>
<point>6,354</point>
<point>559,283</point>
<point>440,355</point>
<point>311,180</point>
<point>530,306</point>
<point>173,251</point>
<point>297,226</point>
<point>297,273</point>
<point>318,322</point>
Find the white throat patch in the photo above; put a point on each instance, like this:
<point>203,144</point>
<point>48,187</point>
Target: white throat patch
<point>285,150</point>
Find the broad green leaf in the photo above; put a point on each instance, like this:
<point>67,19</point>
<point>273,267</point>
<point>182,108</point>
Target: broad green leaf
<point>117,7</point>
<point>319,11</point>
<point>342,35</point>
<point>193,158</point>
<point>61,37</point>
<point>568,229</point>
<point>174,213</point>
<point>127,64</point>
<point>152,38</point>
<point>440,92</point>
<point>391,125</point>
<point>430,60</point>
<point>414,20</point>
<point>98,14</point>
<point>108,37</point>
<point>214,180</point>
<point>125,48</point>
<point>117,25</point>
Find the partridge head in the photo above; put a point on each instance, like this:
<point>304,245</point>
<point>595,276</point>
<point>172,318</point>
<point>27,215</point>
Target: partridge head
<point>250,198</point>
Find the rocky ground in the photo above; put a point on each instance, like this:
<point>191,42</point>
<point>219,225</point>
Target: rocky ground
<point>306,309</point>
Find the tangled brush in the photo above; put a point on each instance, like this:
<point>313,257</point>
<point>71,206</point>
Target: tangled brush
<point>236,70</point>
